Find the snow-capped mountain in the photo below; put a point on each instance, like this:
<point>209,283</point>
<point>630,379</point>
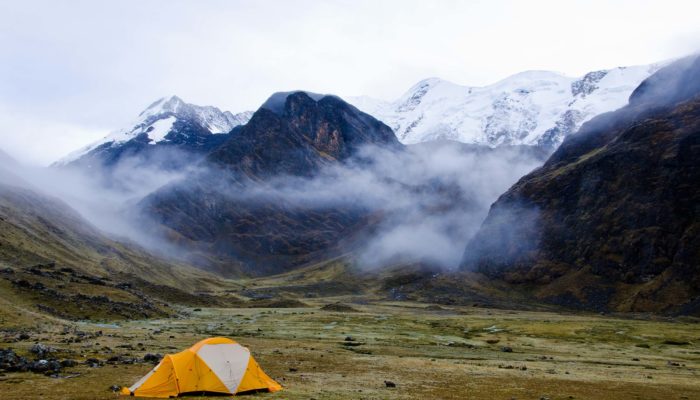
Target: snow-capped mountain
<point>530,108</point>
<point>168,121</point>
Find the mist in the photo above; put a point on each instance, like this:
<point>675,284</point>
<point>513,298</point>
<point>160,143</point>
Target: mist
<point>427,201</point>
<point>106,195</point>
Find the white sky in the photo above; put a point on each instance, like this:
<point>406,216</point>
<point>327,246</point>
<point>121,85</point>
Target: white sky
<point>70,71</point>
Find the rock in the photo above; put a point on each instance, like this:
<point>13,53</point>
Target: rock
<point>114,388</point>
<point>293,370</point>
<point>389,384</point>
<point>152,358</point>
<point>507,349</point>
<point>42,366</point>
<point>93,362</point>
<point>11,362</point>
<point>41,350</point>
<point>121,359</point>
<point>67,363</point>
<point>349,339</point>
<point>23,336</point>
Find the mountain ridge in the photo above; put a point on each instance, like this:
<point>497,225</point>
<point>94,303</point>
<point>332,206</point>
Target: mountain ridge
<point>168,122</point>
<point>613,209</point>
<point>534,107</point>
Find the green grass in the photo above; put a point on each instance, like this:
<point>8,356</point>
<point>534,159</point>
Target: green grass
<point>428,354</point>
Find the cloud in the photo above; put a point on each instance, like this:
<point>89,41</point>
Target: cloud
<point>85,65</point>
<point>429,199</point>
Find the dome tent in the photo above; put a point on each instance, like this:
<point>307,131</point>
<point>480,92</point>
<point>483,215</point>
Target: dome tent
<point>215,365</point>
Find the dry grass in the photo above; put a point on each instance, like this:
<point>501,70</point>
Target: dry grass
<point>428,353</point>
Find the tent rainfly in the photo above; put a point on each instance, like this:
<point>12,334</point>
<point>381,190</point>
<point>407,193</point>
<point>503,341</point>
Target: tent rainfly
<point>215,366</point>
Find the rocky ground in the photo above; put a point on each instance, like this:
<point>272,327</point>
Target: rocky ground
<point>344,348</point>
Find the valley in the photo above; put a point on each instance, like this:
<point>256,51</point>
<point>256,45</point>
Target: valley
<point>533,238</point>
<point>427,351</point>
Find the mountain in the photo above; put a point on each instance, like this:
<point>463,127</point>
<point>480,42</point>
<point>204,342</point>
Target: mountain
<point>167,124</point>
<point>54,262</point>
<point>222,214</point>
<point>298,133</point>
<point>611,220</point>
<point>537,108</point>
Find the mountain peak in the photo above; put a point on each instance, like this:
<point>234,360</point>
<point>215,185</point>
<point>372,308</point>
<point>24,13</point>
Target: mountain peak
<point>304,129</point>
<point>166,104</point>
<point>168,119</point>
<point>537,108</point>
<point>276,103</point>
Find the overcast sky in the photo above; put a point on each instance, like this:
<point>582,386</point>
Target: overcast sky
<point>71,71</point>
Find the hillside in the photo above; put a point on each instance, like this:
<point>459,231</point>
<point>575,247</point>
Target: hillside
<point>54,262</point>
<point>610,222</point>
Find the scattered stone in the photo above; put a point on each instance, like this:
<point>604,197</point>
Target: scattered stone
<point>293,370</point>
<point>41,350</point>
<point>42,366</point>
<point>152,358</point>
<point>114,388</point>
<point>121,359</point>
<point>349,339</point>
<point>93,363</point>
<point>507,349</point>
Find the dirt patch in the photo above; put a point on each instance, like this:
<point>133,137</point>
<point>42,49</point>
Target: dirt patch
<point>339,307</point>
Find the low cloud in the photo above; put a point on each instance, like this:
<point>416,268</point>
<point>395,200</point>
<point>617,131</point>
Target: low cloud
<point>430,199</point>
<point>426,202</point>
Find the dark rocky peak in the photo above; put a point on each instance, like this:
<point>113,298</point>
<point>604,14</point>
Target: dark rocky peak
<point>278,101</point>
<point>298,132</point>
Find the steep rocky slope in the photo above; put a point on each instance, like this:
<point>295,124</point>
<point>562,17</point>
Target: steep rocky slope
<point>611,221</point>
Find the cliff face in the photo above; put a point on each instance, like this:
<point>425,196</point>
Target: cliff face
<point>611,221</point>
<point>295,134</point>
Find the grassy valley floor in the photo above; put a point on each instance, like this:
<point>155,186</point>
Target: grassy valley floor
<point>428,352</point>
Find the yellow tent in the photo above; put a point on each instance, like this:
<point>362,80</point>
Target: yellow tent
<point>215,365</point>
